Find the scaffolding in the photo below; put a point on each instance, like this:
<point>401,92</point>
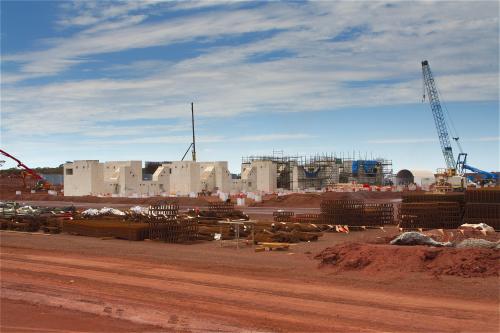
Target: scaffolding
<point>321,171</point>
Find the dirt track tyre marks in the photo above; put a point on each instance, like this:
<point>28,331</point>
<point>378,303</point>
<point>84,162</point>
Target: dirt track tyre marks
<point>279,309</point>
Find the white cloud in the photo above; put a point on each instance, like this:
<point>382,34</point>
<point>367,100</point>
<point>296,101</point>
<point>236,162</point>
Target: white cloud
<point>273,137</point>
<point>379,67</point>
<point>86,13</point>
<point>171,139</point>
<point>402,141</point>
<point>426,140</point>
<point>485,139</point>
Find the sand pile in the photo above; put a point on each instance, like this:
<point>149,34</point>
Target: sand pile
<point>387,259</point>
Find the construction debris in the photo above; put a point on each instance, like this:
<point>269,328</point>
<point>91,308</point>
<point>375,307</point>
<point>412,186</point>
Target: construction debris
<point>417,238</point>
<point>105,211</point>
<point>272,247</point>
<point>14,216</point>
<point>483,227</point>
<point>478,243</point>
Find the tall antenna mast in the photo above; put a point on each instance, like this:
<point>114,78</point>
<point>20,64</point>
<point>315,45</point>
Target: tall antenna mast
<point>194,142</point>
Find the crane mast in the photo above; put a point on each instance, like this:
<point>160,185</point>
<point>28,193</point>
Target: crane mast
<point>437,112</point>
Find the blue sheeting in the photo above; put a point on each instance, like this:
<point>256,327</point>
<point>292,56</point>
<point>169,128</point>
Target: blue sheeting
<point>355,167</point>
<point>312,174</point>
<point>368,166</point>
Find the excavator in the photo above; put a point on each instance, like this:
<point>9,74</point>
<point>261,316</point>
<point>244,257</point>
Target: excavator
<point>453,177</point>
<point>41,184</point>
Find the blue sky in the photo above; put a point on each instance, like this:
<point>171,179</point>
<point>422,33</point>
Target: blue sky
<point>114,80</point>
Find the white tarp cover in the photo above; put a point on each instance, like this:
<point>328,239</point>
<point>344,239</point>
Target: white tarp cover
<point>102,211</point>
<point>139,210</point>
<point>477,226</point>
<point>417,238</point>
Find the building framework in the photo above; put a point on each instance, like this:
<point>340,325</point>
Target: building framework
<point>319,171</point>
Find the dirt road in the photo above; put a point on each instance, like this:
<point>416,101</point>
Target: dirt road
<point>201,288</point>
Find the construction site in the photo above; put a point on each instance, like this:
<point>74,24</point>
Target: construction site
<point>315,242</point>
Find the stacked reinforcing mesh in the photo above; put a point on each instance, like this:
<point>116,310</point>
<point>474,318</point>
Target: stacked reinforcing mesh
<point>411,197</point>
<point>181,230</point>
<point>283,216</point>
<point>483,206</point>
<point>430,215</point>
<point>22,223</point>
<point>431,210</point>
<point>378,214</point>
<point>356,213</point>
<point>221,209</point>
<point>165,224</point>
<point>342,212</point>
<point>307,218</point>
<point>107,228</point>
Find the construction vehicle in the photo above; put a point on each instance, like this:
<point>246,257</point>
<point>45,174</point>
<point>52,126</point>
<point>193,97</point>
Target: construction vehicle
<point>452,177</point>
<point>41,184</point>
<point>486,177</point>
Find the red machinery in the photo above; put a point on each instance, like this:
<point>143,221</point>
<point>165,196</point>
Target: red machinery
<point>41,183</point>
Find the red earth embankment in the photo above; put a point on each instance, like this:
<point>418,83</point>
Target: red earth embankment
<point>390,259</point>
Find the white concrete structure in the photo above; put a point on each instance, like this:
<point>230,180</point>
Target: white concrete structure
<point>124,178</point>
<point>259,176</point>
<point>83,178</point>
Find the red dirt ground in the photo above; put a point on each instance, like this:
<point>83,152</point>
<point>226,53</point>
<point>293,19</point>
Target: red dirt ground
<point>21,316</point>
<point>203,287</point>
<point>378,258</point>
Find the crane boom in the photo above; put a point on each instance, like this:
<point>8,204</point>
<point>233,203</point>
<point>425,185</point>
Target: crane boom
<point>485,174</point>
<point>22,165</point>
<point>437,112</point>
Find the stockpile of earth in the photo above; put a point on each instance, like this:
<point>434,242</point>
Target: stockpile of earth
<point>313,200</point>
<point>389,259</point>
<point>10,183</point>
<point>305,200</point>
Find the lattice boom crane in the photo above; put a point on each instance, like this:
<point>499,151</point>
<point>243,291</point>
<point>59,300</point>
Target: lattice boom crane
<point>437,112</point>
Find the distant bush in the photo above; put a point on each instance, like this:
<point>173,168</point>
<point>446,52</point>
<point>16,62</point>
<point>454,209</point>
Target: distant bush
<point>45,170</point>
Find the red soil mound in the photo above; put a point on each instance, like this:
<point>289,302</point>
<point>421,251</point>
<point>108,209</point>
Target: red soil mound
<point>390,259</point>
<point>309,200</point>
<point>313,200</point>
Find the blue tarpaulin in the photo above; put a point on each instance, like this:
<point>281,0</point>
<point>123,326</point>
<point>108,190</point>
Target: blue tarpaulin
<point>368,166</point>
